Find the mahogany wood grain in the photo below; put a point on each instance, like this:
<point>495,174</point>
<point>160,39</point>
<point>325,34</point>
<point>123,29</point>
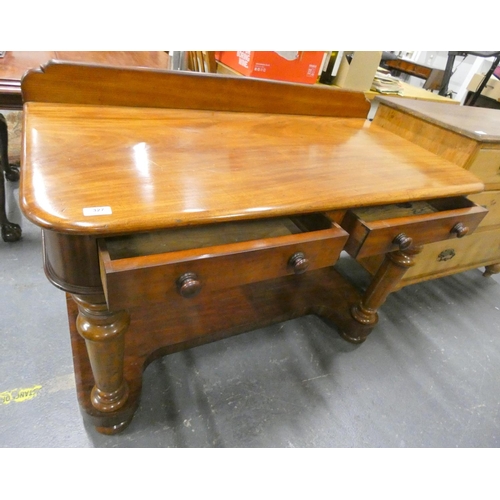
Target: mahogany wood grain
<point>214,166</point>
<point>71,263</point>
<point>153,278</point>
<point>224,233</point>
<point>104,334</point>
<point>113,86</point>
<point>370,237</point>
<point>385,281</point>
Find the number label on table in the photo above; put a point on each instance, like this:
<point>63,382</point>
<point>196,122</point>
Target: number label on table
<point>89,211</point>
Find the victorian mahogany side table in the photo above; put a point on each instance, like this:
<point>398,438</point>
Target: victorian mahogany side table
<point>180,208</point>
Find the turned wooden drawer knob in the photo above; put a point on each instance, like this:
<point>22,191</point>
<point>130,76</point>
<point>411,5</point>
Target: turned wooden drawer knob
<point>459,229</point>
<point>404,242</point>
<point>188,285</point>
<point>298,263</point>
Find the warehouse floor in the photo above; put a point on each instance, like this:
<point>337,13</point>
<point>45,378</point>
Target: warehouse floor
<point>426,377</point>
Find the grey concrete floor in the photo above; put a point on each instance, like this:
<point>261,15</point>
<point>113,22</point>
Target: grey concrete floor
<point>427,376</point>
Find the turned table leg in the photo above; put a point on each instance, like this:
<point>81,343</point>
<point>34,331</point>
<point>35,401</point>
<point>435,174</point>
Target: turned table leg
<point>384,282</point>
<point>104,335</point>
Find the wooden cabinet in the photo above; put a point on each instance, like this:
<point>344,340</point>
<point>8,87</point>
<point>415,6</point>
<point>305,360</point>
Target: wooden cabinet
<point>470,138</point>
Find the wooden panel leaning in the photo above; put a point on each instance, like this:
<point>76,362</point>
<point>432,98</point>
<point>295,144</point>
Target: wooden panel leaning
<point>59,82</point>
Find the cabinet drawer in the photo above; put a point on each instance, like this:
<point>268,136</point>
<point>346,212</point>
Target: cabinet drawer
<point>486,165</point>
<point>373,230</point>
<point>442,258</point>
<point>183,262</point>
<point>448,257</point>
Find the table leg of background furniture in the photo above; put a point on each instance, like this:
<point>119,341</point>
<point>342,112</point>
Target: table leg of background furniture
<point>10,231</point>
<point>448,71</point>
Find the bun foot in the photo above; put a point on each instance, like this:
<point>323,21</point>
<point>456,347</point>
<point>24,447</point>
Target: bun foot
<point>354,338</point>
<point>491,270</point>
<point>114,429</point>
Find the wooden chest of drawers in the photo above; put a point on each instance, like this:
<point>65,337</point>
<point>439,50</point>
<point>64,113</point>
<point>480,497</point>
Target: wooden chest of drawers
<point>470,138</point>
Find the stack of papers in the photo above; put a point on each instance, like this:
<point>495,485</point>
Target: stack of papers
<point>385,83</point>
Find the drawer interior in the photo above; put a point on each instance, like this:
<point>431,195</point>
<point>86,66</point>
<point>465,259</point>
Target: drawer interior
<point>187,238</point>
<point>411,209</point>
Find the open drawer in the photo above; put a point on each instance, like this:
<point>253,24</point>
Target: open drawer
<point>382,229</point>
<point>152,267</point>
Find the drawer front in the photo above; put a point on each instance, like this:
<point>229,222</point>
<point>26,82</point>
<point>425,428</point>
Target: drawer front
<point>448,257</point>
<point>154,278</point>
<point>491,201</point>
<point>486,166</point>
<point>373,231</point>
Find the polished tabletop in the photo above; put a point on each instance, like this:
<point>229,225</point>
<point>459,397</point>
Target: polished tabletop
<point>112,169</point>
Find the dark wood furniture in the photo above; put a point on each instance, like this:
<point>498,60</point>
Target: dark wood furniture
<point>13,65</point>
<point>181,208</point>
<point>433,76</point>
